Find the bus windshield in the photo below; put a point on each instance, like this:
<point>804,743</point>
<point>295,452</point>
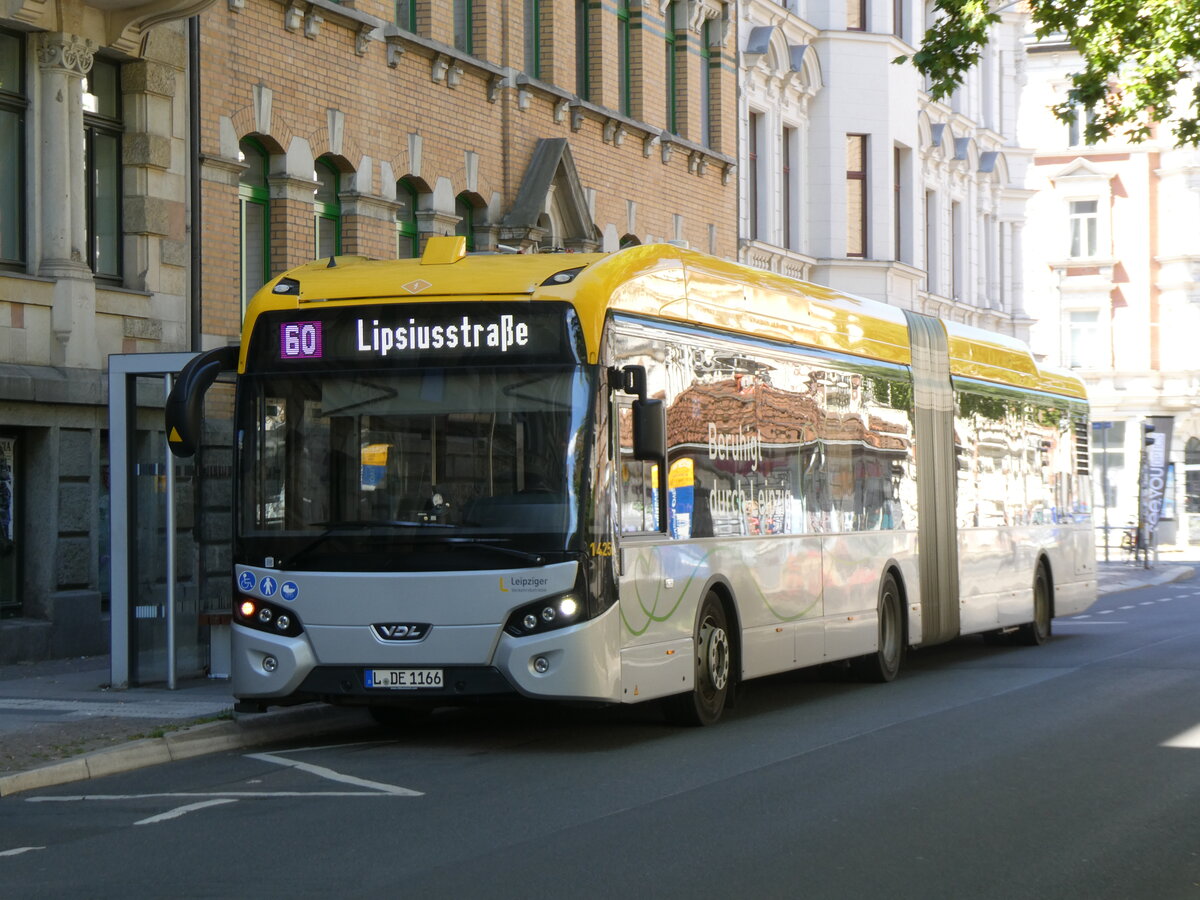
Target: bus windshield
<point>340,467</point>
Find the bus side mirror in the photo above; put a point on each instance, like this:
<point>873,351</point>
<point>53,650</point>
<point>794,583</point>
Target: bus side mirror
<point>649,416</point>
<point>649,430</point>
<point>185,404</point>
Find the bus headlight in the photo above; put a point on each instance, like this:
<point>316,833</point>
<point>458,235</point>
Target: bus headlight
<point>263,616</point>
<point>545,615</point>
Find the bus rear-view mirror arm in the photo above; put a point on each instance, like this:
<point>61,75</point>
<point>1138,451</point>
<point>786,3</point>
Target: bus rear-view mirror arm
<point>185,403</point>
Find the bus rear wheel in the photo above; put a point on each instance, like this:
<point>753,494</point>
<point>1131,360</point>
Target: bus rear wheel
<point>883,665</point>
<point>705,702</point>
<point>1037,632</point>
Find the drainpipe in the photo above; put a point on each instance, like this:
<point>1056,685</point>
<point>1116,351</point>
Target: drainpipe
<point>194,178</point>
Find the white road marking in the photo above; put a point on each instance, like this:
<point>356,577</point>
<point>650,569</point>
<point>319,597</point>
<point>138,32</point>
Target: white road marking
<point>17,851</point>
<point>1146,603</point>
<point>184,810</point>
<point>1126,607</point>
<point>240,795</point>
<point>323,772</point>
<point>1107,612</point>
<point>1188,740</point>
<point>1109,622</point>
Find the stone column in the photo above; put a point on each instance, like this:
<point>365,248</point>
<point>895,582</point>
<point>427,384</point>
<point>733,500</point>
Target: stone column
<point>63,61</point>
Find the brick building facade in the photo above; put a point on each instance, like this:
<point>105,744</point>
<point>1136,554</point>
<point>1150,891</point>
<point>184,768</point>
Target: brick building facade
<point>550,125</point>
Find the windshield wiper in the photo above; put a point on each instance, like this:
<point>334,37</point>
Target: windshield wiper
<point>337,529</point>
<point>535,558</point>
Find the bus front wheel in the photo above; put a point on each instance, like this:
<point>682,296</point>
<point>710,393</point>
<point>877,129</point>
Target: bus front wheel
<point>704,704</point>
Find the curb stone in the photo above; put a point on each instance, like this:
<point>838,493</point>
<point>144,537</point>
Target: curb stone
<point>1172,574</point>
<point>198,740</point>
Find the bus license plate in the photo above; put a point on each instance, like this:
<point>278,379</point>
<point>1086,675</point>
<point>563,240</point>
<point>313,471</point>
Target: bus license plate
<point>402,679</point>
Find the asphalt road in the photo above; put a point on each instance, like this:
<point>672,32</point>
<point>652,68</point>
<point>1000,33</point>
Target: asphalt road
<point>1065,771</point>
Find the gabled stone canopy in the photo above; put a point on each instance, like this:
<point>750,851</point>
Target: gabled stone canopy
<point>551,179</point>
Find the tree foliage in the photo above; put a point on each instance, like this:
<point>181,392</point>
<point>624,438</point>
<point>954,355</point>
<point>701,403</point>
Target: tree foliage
<point>1140,59</point>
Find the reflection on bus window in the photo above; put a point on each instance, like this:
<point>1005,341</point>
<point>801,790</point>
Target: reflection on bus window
<point>639,479</point>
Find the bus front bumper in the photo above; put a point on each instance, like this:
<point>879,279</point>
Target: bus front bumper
<point>576,663</point>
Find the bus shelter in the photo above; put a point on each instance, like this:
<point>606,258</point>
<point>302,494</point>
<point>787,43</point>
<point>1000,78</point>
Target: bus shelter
<point>165,623</point>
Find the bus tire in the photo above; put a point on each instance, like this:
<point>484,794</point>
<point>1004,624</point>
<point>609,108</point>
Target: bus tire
<point>705,702</point>
<point>1037,632</point>
<point>883,665</point>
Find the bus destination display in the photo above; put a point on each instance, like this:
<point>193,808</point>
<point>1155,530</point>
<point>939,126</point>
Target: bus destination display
<point>414,334</point>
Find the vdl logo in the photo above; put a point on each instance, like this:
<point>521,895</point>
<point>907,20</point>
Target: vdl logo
<point>399,631</point>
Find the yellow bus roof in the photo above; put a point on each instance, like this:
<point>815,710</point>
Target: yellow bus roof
<point>658,280</point>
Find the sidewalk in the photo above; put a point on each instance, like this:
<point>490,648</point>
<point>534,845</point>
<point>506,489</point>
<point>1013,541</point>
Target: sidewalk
<point>60,722</point>
<point>1121,574</point>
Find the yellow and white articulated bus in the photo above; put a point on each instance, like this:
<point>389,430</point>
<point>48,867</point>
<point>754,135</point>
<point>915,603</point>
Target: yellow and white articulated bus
<point>644,475</point>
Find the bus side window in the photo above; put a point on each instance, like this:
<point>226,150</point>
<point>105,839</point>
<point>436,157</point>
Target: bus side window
<point>637,479</point>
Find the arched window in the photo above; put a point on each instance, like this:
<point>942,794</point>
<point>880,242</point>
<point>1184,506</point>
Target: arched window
<point>254,204</point>
<point>466,220</point>
<point>327,208</point>
<point>408,244</point>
